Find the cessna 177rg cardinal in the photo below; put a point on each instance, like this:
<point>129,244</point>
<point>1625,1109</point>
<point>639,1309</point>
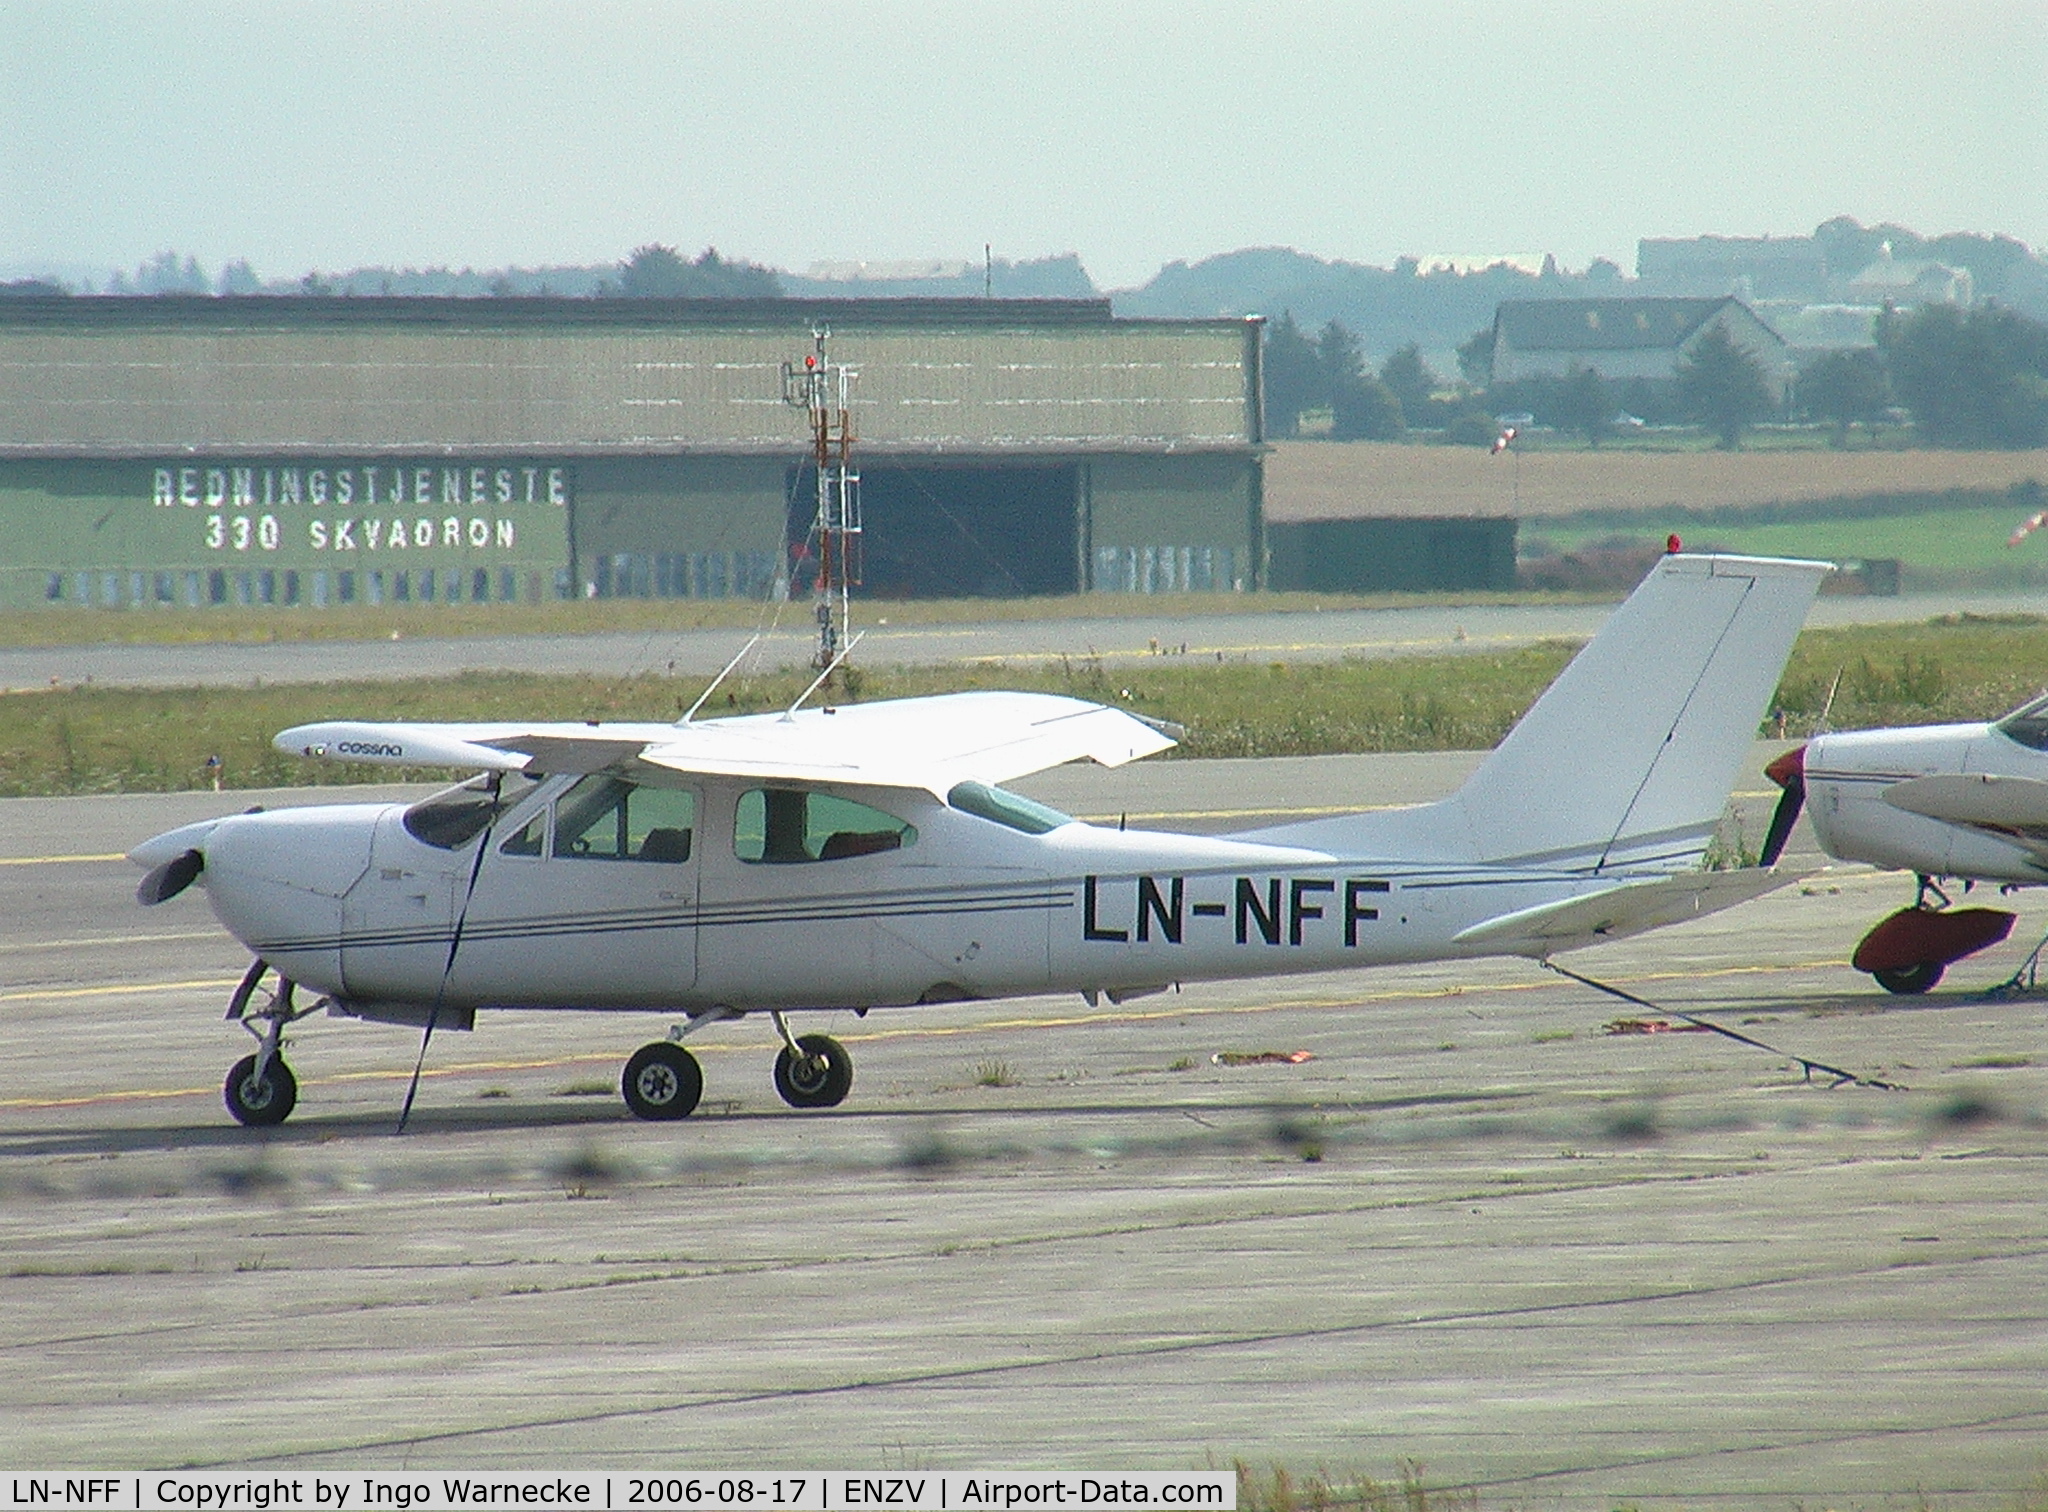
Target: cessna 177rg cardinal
<point>866,857</point>
<point>1940,801</point>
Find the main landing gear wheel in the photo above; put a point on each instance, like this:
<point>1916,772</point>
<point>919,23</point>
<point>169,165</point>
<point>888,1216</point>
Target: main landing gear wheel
<point>662,1080</point>
<point>817,1074</point>
<point>261,1101</point>
<point>1909,980</point>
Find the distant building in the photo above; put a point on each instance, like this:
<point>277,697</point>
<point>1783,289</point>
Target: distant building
<point>1812,329</point>
<point>1750,267</point>
<point>1789,282</point>
<point>1623,338</point>
<point>310,450</point>
<point>1905,281</point>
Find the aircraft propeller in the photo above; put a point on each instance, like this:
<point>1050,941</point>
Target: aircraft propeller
<point>1789,772</point>
<point>171,878</point>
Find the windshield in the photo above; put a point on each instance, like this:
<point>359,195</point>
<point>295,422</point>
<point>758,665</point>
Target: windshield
<point>2028,724</point>
<point>452,818</point>
<point>1006,808</point>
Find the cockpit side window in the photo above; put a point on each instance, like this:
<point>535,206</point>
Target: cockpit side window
<point>607,818</point>
<point>531,837</point>
<point>2028,724</point>
<point>455,816</point>
<point>780,825</point>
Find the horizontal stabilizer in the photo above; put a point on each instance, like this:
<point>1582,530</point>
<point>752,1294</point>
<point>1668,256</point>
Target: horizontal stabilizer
<point>1620,912</point>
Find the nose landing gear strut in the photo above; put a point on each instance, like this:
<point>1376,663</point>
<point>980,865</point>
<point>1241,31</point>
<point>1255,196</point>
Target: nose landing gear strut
<point>260,1090</point>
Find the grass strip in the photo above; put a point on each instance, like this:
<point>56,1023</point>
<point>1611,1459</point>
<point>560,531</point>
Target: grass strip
<point>106,740</point>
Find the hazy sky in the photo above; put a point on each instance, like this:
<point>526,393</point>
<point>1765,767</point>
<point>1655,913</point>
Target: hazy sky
<point>341,134</point>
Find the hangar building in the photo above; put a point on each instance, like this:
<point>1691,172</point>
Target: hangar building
<point>312,450</point>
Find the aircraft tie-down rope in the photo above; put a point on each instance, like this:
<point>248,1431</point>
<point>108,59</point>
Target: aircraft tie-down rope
<point>1806,1064</point>
<point>448,969</point>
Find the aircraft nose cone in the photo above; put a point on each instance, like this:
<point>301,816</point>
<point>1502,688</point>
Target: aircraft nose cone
<point>1788,768</point>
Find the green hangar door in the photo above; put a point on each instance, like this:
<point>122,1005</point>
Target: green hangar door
<point>953,532</point>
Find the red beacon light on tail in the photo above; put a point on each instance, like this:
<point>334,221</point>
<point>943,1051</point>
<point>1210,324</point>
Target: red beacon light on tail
<point>1672,545</point>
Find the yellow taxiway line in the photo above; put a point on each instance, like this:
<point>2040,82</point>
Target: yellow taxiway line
<point>57,860</point>
<point>929,1031</point>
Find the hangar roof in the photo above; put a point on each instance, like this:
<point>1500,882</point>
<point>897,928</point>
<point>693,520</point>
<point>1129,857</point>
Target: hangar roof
<point>312,375</point>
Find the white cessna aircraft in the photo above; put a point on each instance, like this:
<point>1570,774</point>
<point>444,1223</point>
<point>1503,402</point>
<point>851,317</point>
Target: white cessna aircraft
<point>865,856</point>
<point>1965,801</point>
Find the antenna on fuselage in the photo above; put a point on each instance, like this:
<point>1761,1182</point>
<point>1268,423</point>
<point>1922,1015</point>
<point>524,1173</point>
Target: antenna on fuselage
<point>719,679</point>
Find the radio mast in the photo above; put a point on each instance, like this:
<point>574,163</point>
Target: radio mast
<point>825,388</point>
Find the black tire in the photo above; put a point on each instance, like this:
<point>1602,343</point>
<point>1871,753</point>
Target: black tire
<point>662,1080</point>
<point>260,1104</point>
<point>819,1078</point>
<point>1910,980</point>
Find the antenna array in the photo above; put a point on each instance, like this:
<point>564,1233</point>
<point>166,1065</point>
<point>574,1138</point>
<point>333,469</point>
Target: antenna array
<point>825,388</point>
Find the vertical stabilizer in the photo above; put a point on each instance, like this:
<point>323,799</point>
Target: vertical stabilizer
<point>1628,758</point>
<point>1630,755</point>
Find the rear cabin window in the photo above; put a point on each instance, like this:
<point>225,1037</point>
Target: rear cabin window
<point>1005,807</point>
<point>2028,724</point>
<point>606,818</point>
<point>455,816</point>
<point>779,825</point>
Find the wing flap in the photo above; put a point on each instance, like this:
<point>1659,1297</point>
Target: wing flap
<point>1620,911</point>
<point>930,743</point>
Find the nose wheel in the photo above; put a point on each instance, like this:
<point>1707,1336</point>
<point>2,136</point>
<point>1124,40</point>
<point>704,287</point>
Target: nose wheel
<point>260,1096</point>
<point>260,1090</point>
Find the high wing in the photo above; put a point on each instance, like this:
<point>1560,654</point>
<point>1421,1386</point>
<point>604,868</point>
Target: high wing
<point>1619,912</point>
<point>929,743</point>
<point>2012,808</point>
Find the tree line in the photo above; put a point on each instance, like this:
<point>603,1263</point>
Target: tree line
<point>1963,377</point>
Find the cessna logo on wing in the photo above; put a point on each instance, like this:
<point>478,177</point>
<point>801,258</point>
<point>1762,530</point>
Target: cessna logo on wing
<point>366,748</point>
